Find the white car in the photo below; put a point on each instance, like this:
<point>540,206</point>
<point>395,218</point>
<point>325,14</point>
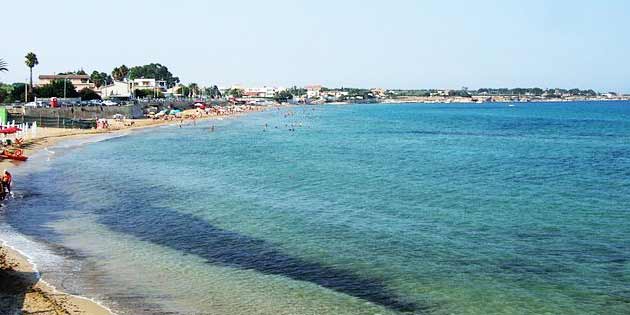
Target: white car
<point>109,103</point>
<point>35,104</point>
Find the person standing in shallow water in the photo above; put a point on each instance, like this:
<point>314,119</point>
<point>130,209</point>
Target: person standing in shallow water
<point>7,178</point>
<point>3,193</point>
<point>5,184</point>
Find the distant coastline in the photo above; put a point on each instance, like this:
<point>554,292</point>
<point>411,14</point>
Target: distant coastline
<point>502,99</point>
<point>464,100</point>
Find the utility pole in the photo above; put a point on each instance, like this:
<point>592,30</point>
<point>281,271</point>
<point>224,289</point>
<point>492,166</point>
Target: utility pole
<point>26,92</point>
<point>64,87</point>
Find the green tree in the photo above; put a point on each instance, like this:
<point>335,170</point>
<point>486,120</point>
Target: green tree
<point>3,66</point>
<point>537,91</point>
<point>207,91</point>
<point>460,93</point>
<point>17,93</point>
<point>147,93</point>
<point>88,95</point>
<point>56,88</point>
<point>101,78</point>
<point>142,93</point>
<point>236,92</point>
<point>183,91</point>
<point>213,92</point>
<point>575,92</point>
<point>5,92</point>
<point>153,71</point>
<point>108,78</point>
<point>283,96</point>
<point>31,61</point>
<point>194,89</point>
<point>116,74</point>
<point>299,91</point>
<point>119,73</point>
<point>96,78</point>
<point>216,93</point>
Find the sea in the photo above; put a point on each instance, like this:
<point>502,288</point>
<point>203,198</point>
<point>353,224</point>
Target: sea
<point>493,208</point>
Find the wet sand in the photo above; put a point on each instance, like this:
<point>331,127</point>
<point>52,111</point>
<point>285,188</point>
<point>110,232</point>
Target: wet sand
<point>23,292</point>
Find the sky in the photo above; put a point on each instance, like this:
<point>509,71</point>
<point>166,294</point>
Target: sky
<point>407,44</point>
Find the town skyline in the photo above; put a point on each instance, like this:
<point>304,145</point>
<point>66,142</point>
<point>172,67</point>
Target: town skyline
<point>415,46</point>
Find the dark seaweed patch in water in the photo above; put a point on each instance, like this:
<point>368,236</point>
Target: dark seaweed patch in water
<point>31,211</point>
<point>191,235</point>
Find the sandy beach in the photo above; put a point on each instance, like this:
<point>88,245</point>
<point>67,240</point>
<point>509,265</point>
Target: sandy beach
<point>22,291</point>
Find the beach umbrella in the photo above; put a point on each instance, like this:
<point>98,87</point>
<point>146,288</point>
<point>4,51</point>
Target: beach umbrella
<point>10,130</point>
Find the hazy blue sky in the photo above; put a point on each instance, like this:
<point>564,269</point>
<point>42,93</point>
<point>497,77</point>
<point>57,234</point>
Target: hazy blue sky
<point>395,43</point>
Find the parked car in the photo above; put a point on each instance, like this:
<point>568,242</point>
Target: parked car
<point>109,103</point>
<point>35,104</point>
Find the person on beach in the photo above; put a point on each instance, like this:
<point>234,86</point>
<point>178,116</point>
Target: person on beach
<point>7,178</point>
<point>5,185</point>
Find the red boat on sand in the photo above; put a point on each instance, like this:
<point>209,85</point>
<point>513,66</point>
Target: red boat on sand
<point>17,155</point>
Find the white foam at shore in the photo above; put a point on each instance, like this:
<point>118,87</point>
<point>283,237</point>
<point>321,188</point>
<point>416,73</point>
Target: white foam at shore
<point>20,244</point>
<point>33,251</point>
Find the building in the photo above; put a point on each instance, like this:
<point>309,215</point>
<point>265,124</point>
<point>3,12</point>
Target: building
<point>265,91</point>
<point>378,92</point>
<point>80,81</point>
<point>175,91</point>
<point>118,89</point>
<point>313,91</point>
<point>335,95</point>
<point>149,84</point>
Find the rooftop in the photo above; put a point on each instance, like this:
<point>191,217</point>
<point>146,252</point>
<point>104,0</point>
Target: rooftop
<point>63,76</point>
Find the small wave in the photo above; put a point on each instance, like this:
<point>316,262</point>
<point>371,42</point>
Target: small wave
<point>15,242</point>
<point>74,143</point>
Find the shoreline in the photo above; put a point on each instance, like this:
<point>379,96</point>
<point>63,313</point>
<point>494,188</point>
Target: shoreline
<point>26,291</point>
<point>21,286</point>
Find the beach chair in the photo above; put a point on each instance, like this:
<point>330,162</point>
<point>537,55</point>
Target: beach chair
<point>19,142</point>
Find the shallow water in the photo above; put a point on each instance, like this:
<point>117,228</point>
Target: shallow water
<point>362,209</point>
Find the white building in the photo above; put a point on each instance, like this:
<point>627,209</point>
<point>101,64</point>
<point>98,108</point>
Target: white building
<point>334,94</point>
<point>313,91</point>
<point>265,91</point>
<point>149,84</point>
<point>175,91</point>
<point>118,89</point>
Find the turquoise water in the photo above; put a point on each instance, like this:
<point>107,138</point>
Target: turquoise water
<point>361,209</point>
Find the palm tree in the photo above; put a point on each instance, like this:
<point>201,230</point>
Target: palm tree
<point>124,71</point>
<point>3,66</point>
<point>193,89</point>
<point>31,61</point>
<point>119,73</point>
<point>215,92</point>
<point>116,74</point>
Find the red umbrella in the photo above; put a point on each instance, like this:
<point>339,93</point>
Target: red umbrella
<point>10,130</point>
